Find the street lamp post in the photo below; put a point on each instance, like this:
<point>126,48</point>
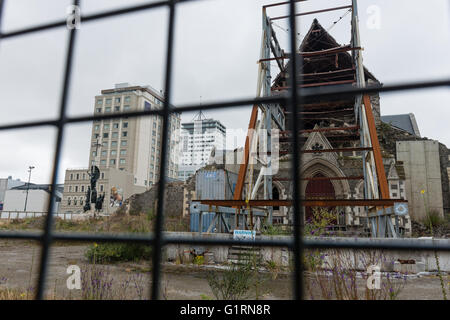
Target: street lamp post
<point>28,187</point>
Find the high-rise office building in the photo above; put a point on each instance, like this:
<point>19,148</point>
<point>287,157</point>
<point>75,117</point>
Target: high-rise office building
<point>133,144</point>
<point>127,150</point>
<point>198,138</point>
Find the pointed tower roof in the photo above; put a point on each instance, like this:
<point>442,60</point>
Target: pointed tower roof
<point>338,65</point>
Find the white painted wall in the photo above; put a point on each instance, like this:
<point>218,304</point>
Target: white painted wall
<point>15,200</point>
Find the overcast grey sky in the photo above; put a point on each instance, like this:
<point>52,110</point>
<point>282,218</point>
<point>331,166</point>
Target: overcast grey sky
<point>217,46</point>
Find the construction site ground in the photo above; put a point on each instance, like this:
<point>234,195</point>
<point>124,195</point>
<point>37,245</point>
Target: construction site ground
<point>20,261</point>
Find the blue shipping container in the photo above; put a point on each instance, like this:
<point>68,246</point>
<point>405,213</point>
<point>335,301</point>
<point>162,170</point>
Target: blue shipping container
<point>207,217</point>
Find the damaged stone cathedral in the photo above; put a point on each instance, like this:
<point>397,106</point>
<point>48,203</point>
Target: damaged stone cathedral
<point>417,168</point>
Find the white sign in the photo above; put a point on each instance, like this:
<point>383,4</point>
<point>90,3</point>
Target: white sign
<point>401,208</point>
<point>244,235</point>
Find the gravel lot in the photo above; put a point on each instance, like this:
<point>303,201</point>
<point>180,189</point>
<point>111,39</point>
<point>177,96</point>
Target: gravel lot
<point>19,265</point>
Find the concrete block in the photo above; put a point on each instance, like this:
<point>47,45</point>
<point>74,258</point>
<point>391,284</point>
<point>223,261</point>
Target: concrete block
<point>420,267</point>
<point>387,266</point>
<point>209,258</point>
<point>397,266</point>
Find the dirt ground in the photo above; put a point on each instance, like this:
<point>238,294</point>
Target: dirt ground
<point>19,261</point>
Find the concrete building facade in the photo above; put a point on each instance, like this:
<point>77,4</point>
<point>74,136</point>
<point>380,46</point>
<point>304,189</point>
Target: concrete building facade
<point>198,139</point>
<point>37,197</point>
<point>133,144</point>
<point>117,185</point>
<point>6,184</point>
<point>127,150</point>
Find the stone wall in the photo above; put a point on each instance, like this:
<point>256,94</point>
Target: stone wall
<point>146,202</point>
<point>444,160</point>
<point>283,257</point>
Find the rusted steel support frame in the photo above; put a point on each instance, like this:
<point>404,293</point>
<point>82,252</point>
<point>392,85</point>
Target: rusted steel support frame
<point>315,84</point>
<point>325,52</point>
<point>382,181</point>
<point>331,150</point>
<point>322,178</point>
<point>328,72</point>
<point>325,112</point>
<point>305,202</point>
<point>328,129</point>
<point>313,12</point>
<point>244,165</point>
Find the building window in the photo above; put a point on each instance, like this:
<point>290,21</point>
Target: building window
<point>103,175</point>
<point>76,188</point>
<point>105,144</point>
<point>106,126</point>
<point>113,143</point>
<point>98,110</point>
<point>117,100</point>
<point>112,161</point>
<point>97,127</point>
<point>104,153</point>
<point>124,134</point>
<point>78,176</point>
<point>96,136</point>
<point>114,135</point>
<point>123,143</point>
<point>125,125</point>
<point>108,101</point>
<point>94,153</point>
<point>126,108</point>
<point>105,135</point>
<point>394,187</point>
<point>69,201</point>
<point>99,102</point>
<point>122,161</point>
<point>101,187</point>
<point>82,188</point>
<point>71,176</point>
<point>70,188</point>
<point>117,108</point>
<point>108,109</point>
<point>103,162</point>
<point>123,152</point>
<point>127,99</point>
<point>113,152</point>
<point>115,125</point>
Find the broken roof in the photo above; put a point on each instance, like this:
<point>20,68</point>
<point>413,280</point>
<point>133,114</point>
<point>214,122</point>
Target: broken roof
<point>406,122</point>
<point>330,67</point>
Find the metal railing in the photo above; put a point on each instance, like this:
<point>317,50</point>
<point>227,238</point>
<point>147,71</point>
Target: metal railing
<point>158,240</point>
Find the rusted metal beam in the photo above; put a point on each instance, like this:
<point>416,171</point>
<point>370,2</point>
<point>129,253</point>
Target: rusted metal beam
<point>328,129</point>
<point>305,202</point>
<point>313,12</point>
<point>323,112</point>
<point>315,84</point>
<point>382,181</point>
<point>328,72</point>
<point>244,165</point>
<point>329,150</point>
<point>321,178</point>
<point>325,52</point>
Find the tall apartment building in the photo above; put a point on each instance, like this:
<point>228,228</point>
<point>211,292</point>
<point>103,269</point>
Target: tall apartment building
<point>133,144</point>
<point>127,150</point>
<point>198,138</point>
